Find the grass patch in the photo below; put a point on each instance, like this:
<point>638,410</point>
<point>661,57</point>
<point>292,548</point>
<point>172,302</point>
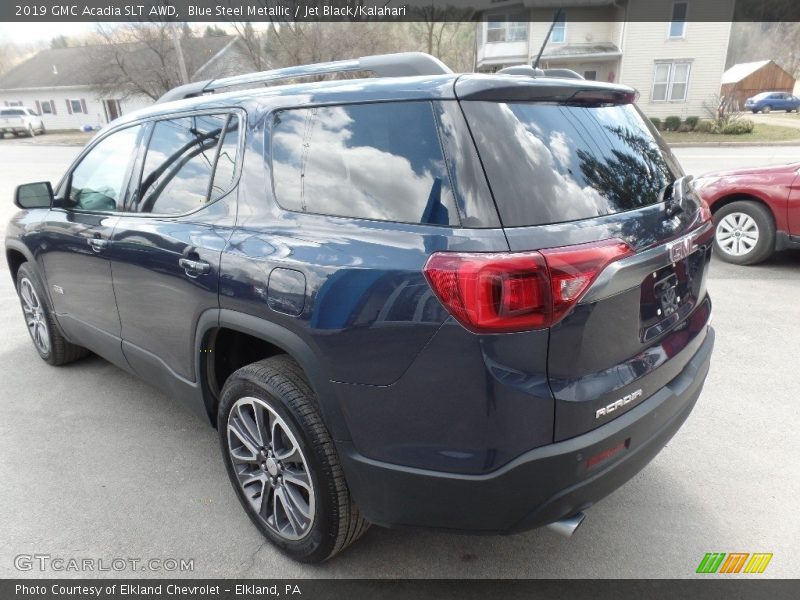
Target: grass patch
<point>761,133</point>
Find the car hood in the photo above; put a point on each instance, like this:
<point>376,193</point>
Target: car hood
<point>772,170</point>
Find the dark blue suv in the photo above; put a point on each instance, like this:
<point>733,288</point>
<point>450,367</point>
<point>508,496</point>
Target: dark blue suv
<point>469,302</point>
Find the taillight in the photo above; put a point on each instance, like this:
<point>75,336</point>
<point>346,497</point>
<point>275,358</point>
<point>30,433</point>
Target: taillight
<point>574,268</point>
<point>517,291</point>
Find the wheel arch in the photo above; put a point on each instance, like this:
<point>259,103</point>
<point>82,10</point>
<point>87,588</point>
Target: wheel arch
<point>15,259</point>
<point>742,197</point>
<point>283,341</point>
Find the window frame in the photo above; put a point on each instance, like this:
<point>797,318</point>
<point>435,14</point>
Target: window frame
<point>79,110</point>
<point>134,177</point>
<point>48,104</point>
<point>507,20</point>
<point>131,196</point>
<point>268,154</point>
<point>563,28</point>
<point>670,82</point>
<point>672,21</point>
<point>64,185</point>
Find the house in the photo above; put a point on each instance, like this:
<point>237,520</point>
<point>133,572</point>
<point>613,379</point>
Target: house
<point>673,53</point>
<point>744,80</point>
<point>71,87</point>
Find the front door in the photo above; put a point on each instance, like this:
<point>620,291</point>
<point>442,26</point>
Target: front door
<point>166,248</point>
<point>112,109</point>
<point>76,239</point>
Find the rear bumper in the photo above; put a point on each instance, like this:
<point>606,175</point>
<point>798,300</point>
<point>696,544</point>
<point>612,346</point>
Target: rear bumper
<point>541,486</point>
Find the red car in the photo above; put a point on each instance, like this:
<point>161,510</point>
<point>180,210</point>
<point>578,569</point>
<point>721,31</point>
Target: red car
<point>756,211</point>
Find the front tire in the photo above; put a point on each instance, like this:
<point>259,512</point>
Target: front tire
<point>282,461</point>
<point>744,233</point>
<point>766,109</point>
<point>31,131</point>
<point>47,339</point>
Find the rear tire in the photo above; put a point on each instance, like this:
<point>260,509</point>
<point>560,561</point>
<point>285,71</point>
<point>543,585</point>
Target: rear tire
<point>282,461</point>
<point>744,233</point>
<point>47,339</point>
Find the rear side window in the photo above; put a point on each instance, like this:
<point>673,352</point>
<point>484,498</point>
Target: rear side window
<point>371,161</point>
<point>550,163</point>
<point>189,162</point>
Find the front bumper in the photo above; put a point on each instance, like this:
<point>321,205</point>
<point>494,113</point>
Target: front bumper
<point>541,486</point>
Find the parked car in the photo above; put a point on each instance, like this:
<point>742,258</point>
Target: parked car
<point>769,101</point>
<point>756,211</point>
<point>19,120</point>
<point>470,302</point>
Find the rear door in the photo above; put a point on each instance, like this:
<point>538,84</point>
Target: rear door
<point>584,169</point>
<point>166,246</point>
<point>76,238</point>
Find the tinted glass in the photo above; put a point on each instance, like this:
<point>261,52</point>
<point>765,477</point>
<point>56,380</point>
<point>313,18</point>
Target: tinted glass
<point>97,183</point>
<point>549,163</point>
<point>14,112</point>
<point>372,161</point>
<point>179,164</point>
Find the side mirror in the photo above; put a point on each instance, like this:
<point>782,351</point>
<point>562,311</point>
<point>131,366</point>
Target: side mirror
<point>34,195</point>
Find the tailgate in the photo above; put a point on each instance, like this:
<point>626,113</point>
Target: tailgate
<point>580,167</point>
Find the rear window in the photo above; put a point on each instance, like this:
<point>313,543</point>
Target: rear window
<point>13,112</point>
<point>371,161</point>
<point>550,163</point>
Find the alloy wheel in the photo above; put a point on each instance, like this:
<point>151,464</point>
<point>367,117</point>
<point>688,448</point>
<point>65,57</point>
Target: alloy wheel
<point>737,234</point>
<point>271,468</point>
<point>35,317</point>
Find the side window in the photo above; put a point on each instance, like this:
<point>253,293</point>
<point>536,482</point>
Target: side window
<point>371,161</point>
<point>189,162</point>
<point>98,182</point>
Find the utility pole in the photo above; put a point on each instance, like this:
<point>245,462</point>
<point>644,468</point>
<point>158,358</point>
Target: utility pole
<point>179,51</point>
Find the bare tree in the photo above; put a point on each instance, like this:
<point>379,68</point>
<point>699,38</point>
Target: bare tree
<point>445,33</point>
<point>253,44</point>
<point>779,41</point>
<point>141,59</point>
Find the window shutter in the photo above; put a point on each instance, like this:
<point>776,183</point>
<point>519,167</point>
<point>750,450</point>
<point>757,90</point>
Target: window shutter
<point>83,107</point>
<point>38,107</point>
<point>69,106</point>
<point>53,106</point>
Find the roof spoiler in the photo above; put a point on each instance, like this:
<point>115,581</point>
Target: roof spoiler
<point>402,64</point>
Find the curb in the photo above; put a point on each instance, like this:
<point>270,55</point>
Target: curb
<point>733,144</point>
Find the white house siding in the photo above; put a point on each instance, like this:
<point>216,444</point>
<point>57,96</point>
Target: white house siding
<point>95,114</point>
<point>705,46</point>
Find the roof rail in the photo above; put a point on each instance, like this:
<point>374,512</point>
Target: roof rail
<point>402,64</point>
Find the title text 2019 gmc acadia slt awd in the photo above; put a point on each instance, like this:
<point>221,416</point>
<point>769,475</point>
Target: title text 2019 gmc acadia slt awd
<point>470,302</point>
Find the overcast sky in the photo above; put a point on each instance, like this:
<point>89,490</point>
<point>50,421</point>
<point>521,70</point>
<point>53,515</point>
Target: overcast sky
<point>21,33</point>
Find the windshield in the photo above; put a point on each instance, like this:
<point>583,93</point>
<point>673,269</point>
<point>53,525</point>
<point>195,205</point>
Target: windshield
<point>12,112</point>
<point>550,163</point>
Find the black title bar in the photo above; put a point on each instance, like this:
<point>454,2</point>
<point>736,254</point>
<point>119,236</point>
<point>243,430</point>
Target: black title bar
<point>383,10</point>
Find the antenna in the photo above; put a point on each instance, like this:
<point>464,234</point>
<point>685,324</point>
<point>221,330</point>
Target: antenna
<point>547,37</point>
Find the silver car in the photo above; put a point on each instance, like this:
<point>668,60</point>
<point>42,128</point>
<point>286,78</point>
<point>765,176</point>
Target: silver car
<point>19,120</point>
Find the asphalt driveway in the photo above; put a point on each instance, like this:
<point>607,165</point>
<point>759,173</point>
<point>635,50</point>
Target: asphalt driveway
<point>96,463</point>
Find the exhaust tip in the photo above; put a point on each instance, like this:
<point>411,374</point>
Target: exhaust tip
<point>567,527</point>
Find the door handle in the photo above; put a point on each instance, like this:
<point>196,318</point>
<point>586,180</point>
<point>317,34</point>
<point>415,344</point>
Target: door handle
<point>194,268</point>
<point>98,244</point>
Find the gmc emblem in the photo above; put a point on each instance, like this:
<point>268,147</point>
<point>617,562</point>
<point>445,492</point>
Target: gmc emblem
<point>680,249</point>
